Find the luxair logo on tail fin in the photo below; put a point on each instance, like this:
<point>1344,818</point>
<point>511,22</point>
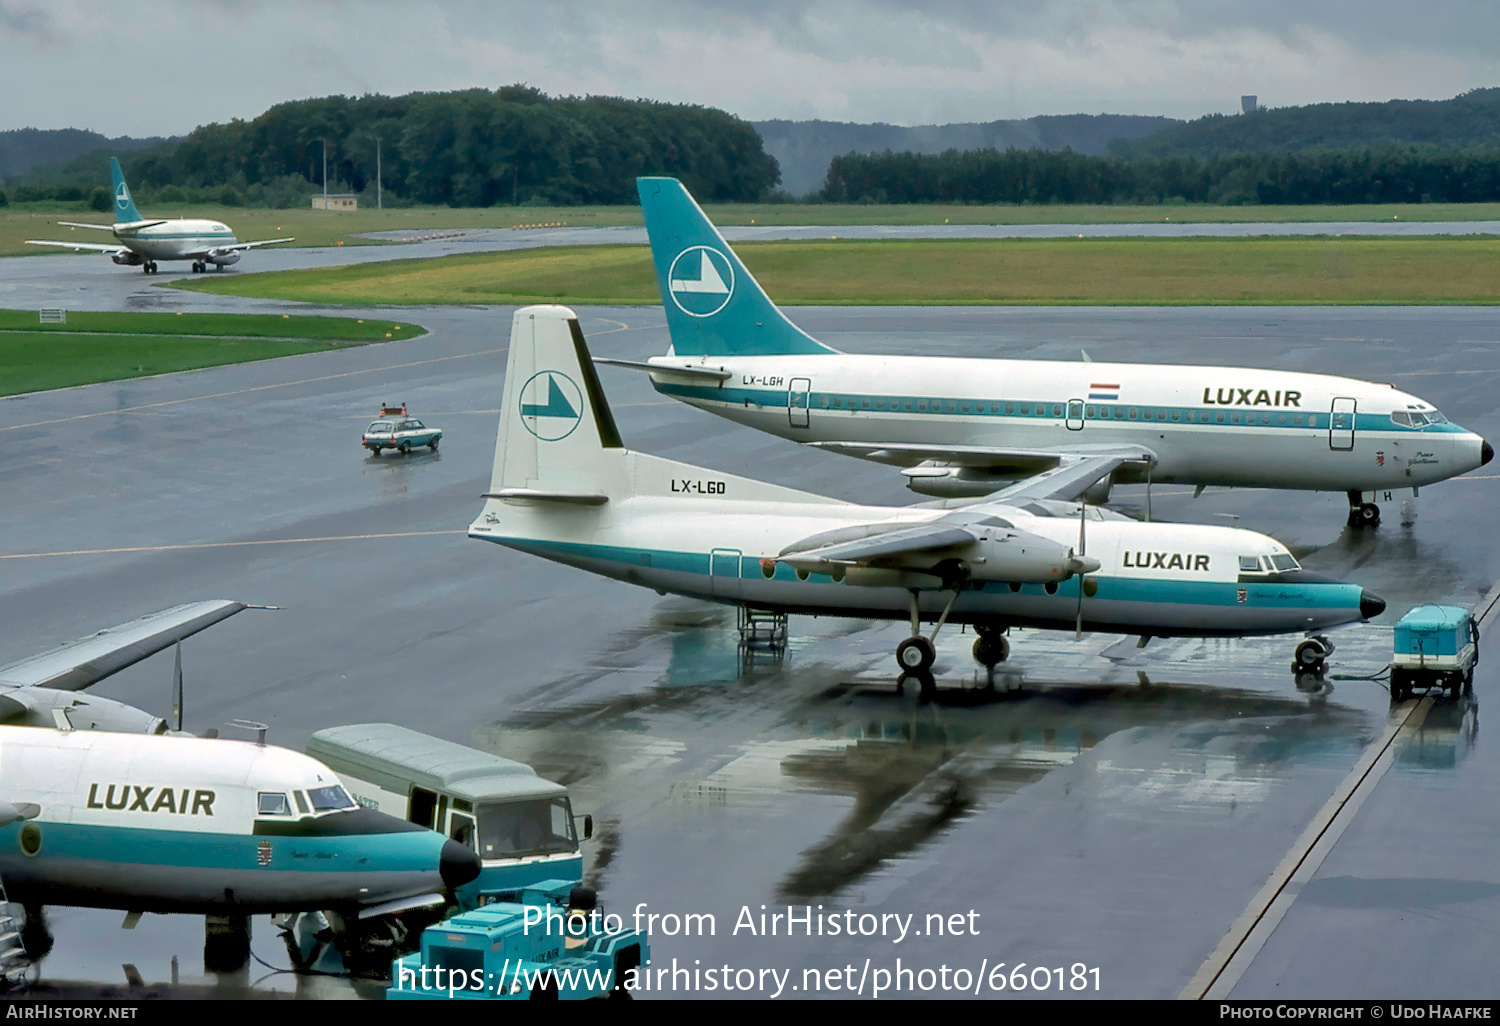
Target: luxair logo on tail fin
<point>714,306</point>
<point>124,206</point>
<point>551,405</point>
<point>701,281</point>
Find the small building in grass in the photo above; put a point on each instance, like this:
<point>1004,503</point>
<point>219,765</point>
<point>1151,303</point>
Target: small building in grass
<point>336,201</point>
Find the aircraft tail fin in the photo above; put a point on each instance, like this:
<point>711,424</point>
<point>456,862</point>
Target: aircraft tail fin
<point>558,447</point>
<point>714,307</point>
<point>125,211</point>
<point>557,435</point>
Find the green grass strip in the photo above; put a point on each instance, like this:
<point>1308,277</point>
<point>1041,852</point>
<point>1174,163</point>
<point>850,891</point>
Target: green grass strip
<point>295,326</point>
<point>34,361</point>
<point>1190,271</point>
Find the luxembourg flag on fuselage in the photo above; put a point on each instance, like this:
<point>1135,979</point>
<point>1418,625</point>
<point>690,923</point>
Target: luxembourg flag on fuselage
<point>1108,393</point>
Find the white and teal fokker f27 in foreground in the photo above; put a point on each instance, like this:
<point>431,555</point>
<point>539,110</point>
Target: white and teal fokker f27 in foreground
<point>564,487</point>
<point>963,427</point>
<point>141,242</point>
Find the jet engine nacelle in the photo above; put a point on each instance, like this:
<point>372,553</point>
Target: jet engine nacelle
<point>949,482</point>
<point>128,258</point>
<point>225,259</point>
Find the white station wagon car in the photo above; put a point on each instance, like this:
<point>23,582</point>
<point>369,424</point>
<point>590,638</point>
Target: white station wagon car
<point>397,430</point>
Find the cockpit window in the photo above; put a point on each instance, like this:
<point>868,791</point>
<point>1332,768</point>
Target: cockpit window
<point>1417,418</point>
<point>274,803</point>
<point>1249,564</point>
<point>1283,561</point>
<point>329,799</point>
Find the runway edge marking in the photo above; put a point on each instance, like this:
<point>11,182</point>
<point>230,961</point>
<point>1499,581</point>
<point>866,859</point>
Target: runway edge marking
<point>1249,933</point>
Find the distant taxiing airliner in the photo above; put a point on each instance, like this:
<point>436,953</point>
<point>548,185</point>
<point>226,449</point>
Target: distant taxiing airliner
<point>963,427</point>
<point>142,243</point>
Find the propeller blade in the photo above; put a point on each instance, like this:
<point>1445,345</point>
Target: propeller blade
<point>1078,619</point>
<point>177,689</point>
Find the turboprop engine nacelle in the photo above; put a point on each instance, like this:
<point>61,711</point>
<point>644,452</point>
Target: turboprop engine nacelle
<point>1012,557</point>
<point>949,482</point>
<point>127,258</point>
<point>37,707</point>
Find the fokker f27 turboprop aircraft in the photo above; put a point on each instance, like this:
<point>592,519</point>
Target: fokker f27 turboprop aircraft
<point>158,821</point>
<point>963,427</point>
<point>564,487</point>
<point>142,243</point>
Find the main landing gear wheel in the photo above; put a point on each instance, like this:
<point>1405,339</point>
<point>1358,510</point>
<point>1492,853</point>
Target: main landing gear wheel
<point>990,649</point>
<point>915,655</point>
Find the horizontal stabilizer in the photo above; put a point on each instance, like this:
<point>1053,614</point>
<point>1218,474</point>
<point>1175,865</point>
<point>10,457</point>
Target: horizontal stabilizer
<point>538,495</point>
<point>707,373</point>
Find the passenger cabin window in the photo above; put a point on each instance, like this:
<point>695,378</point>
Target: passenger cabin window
<point>273,803</point>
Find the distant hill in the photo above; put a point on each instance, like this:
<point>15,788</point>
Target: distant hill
<point>25,148</point>
<point>804,148</point>
<point>1469,121</point>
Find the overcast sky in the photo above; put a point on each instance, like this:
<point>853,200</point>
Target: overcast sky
<point>161,67</point>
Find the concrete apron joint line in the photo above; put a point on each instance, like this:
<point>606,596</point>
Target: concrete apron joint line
<point>1217,976</point>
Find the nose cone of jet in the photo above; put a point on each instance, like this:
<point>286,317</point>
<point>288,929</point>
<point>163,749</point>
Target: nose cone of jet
<point>1486,453</point>
<point>457,865</point>
<point>1370,605</point>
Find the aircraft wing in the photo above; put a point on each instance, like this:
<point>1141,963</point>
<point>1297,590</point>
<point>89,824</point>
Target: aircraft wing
<point>901,541</point>
<point>76,665</point>
<point>999,458</point>
<point>76,246</point>
<point>1073,476</point>
<point>237,246</point>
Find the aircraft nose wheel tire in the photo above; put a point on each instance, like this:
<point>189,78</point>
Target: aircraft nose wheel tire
<point>1311,656</point>
<point>1364,515</point>
<point>990,649</point>
<point>915,655</point>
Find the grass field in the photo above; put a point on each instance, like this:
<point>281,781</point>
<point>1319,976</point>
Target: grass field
<point>329,228</point>
<point>95,347</point>
<point>1189,271</point>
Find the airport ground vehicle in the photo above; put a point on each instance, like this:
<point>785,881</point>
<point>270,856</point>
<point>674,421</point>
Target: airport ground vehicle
<point>554,942</point>
<point>396,429</point>
<point>521,826</point>
<point>1435,647</point>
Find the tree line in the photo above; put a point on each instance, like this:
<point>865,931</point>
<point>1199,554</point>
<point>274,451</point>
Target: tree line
<point>471,148</point>
<point>1390,175</point>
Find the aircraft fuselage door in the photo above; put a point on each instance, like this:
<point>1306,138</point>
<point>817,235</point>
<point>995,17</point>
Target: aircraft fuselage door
<point>724,572</point>
<point>1341,424</point>
<point>1075,415</point>
<point>797,395</point>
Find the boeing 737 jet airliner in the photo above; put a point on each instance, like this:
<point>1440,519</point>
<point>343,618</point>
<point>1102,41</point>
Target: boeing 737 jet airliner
<point>142,242</point>
<point>963,427</point>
